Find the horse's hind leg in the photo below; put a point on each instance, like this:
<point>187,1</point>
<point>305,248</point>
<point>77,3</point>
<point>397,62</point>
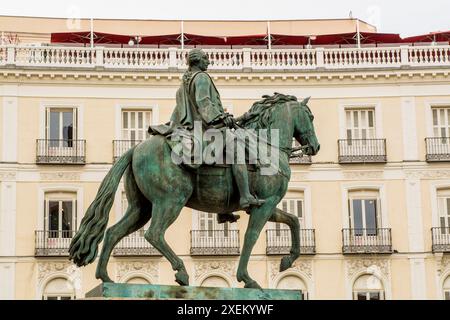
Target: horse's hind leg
<point>165,212</point>
<point>292,221</point>
<point>137,214</point>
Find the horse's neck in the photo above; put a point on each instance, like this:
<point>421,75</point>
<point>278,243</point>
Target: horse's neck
<point>283,123</point>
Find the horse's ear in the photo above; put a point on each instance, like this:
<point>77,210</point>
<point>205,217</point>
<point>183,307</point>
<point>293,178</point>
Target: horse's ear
<point>305,101</point>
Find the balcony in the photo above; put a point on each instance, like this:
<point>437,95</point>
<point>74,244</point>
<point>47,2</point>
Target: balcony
<point>50,151</point>
<point>53,243</point>
<point>438,149</point>
<point>279,241</point>
<point>367,240</point>
<point>362,151</point>
<point>122,146</point>
<point>214,242</point>
<point>394,57</point>
<point>440,239</point>
<point>300,160</point>
<point>135,245</point>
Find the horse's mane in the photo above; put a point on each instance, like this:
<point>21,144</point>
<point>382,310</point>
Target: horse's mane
<point>260,115</point>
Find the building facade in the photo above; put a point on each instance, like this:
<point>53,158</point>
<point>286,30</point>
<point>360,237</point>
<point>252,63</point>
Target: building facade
<point>373,205</point>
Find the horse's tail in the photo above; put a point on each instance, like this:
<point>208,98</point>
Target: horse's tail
<point>84,245</point>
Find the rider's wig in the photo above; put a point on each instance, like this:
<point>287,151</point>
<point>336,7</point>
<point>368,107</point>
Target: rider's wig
<point>194,56</point>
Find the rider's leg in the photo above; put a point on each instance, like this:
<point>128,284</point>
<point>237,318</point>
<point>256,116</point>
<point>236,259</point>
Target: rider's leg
<point>241,175</point>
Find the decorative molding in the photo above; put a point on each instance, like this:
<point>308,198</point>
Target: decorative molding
<point>427,174</point>
<point>46,269</point>
<point>443,264</point>
<point>146,268</point>
<point>355,266</point>
<point>363,175</point>
<point>204,267</point>
<point>60,176</point>
<point>7,175</point>
<point>303,266</point>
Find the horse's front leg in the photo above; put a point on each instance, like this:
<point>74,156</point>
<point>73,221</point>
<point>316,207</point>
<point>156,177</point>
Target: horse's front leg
<point>258,218</point>
<point>292,221</point>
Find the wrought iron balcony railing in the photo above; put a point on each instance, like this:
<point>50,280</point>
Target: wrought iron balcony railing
<point>50,151</point>
<point>279,241</point>
<point>300,160</point>
<point>362,150</point>
<point>135,245</point>
<point>377,240</point>
<point>52,242</point>
<point>438,149</point>
<point>122,146</point>
<point>440,239</point>
<point>214,242</point>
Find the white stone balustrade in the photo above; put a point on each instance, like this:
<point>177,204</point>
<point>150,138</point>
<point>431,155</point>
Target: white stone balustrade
<point>225,59</point>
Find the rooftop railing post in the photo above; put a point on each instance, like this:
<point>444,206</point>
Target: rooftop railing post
<point>247,59</point>
<point>320,61</point>
<point>172,58</point>
<point>404,56</point>
<point>11,55</point>
<point>99,59</point>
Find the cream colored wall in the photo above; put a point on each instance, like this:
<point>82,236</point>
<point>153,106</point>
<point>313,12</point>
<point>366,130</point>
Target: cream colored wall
<point>400,278</point>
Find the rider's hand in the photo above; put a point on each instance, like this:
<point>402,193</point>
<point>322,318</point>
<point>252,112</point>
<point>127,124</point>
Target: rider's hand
<point>229,121</point>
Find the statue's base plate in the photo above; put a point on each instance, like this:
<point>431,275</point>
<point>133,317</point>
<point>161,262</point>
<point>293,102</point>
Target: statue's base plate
<point>150,291</point>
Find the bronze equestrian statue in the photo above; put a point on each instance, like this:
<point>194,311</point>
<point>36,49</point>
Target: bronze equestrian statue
<point>158,188</point>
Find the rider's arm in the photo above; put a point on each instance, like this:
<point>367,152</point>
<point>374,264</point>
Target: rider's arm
<point>207,109</point>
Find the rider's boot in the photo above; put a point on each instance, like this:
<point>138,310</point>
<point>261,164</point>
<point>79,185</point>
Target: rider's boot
<point>247,199</point>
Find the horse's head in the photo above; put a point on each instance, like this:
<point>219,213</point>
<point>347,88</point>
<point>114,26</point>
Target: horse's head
<point>304,128</point>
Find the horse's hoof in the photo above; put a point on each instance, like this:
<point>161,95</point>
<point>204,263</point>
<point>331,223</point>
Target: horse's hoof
<point>104,278</point>
<point>285,264</point>
<point>182,278</point>
<point>252,285</point>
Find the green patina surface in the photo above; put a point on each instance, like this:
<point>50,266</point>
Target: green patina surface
<point>149,291</point>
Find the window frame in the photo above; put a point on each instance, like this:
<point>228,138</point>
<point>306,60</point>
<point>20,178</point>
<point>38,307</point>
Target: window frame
<point>60,196</point>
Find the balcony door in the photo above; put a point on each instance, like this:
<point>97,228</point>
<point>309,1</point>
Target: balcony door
<point>61,127</point>
<point>360,130</point>
<point>135,124</point>
<point>441,123</point>
<point>60,219</point>
<point>364,215</point>
<point>209,233</point>
<point>444,216</point>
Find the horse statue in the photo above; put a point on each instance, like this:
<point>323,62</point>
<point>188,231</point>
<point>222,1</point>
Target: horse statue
<point>157,188</point>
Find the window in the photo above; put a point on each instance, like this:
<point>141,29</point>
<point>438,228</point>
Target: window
<point>58,289</point>
<point>60,215</point>
<point>441,122</point>
<point>360,123</point>
<point>447,288</point>
<point>61,126</point>
<point>215,281</point>
<point>364,217</point>
<point>135,124</point>
<point>368,287</point>
<point>293,283</point>
<point>295,206</point>
<point>138,280</point>
<point>207,222</point>
<point>444,211</point>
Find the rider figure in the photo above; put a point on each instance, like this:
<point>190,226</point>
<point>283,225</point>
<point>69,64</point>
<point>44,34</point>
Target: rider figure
<point>198,100</point>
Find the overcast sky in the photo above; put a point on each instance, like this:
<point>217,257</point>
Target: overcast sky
<point>397,16</point>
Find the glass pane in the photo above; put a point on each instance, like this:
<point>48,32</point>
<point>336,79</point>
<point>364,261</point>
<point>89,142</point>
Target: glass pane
<point>361,296</point>
<point>435,117</point>
<point>147,118</point>
<point>125,120</point>
<point>364,134</point>
<point>140,120</point>
<point>300,209</point>
<point>284,206</point>
<point>53,218</point>
<point>441,117</point>
<point>349,119</point>
<point>355,119</point>
<point>349,134</point>
<point>374,296</point>
<point>371,119</point>
<point>447,295</point>
<point>443,132</point>
<point>442,222</point>
<point>67,125</point>
<point>54,125</point>
<point>357,217</point>
<point>363,119</point>
<point>67,215</point>
<point>132,135</point>
<point>132,120</point>
<point>292,207</point>
<point>371,217</point>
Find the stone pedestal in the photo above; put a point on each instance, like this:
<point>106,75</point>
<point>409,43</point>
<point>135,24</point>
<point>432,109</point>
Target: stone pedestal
<point>150,291</point>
